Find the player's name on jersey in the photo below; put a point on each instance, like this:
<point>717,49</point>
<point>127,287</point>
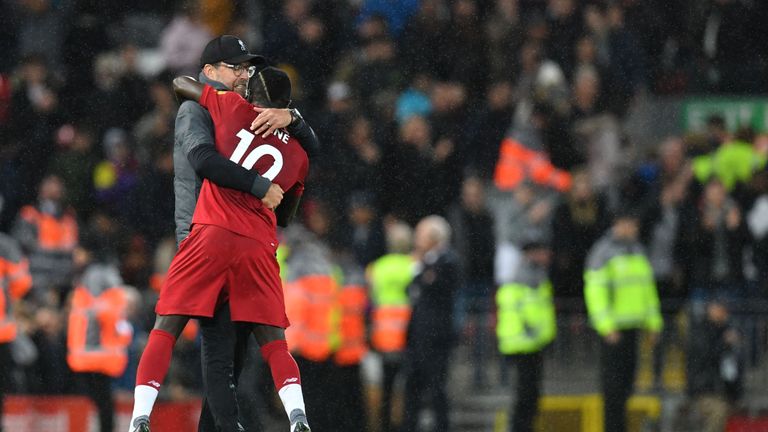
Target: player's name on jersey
<point>282,135</point>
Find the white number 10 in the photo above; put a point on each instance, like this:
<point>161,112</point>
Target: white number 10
<point>246,138</point>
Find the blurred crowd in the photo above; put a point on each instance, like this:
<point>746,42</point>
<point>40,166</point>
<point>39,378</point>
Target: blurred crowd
<point>504,116</point>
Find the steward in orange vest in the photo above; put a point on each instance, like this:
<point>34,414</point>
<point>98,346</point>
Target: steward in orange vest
<point>14,284</point>
<point>518,163</point>
<point>48,235</point>
<point>98,336</point>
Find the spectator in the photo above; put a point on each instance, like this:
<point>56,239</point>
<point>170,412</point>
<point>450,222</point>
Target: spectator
<point>711,243</point>
<point>585,93</point>
<point>628,61</point>
<point>366,234</point>
<point>184,38</point>
<point>464,37</point>
<point>377,72</point>
<point>300,39</point>
<point>43,25</point>
<point>578,220</point>
<point>473,242</point>
<point>49,374</point>
<point>430,332</point>
<point>396,12</point>
<point>415,99</point>
<point>116,177</point>
<point>48,234</point>
<point>525,211</point>
<point>33,118</point>
<point>504,31</point>
<point>153,132</point>
<point>564,25</point>
<point>715,369</point>
<point>486,129</point>
<point>725,41</point>
<point>74,163</point>
<point>426,32</point>
<point>153,197</point>
<point>414,158</point>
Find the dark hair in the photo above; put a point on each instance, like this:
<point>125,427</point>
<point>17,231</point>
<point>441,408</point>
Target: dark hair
<point>270,87</point>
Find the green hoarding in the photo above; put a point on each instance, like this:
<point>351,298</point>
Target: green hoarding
<point>736,112</point>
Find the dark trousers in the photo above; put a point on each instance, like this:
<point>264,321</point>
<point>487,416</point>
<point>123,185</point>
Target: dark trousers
<point>351,399</point>
<point>391,369</point>
<point>617,375</point>
<point>6,368</point>
<point>529,367</point>
<point>426,373</point>
<point>98,387</point>
<point>317,378</point>
<point>223,353</point>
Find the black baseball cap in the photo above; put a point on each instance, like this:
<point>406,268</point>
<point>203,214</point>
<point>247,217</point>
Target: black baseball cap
<point>229,49</point>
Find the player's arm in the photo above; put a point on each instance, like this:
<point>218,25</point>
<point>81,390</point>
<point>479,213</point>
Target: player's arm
<point>187,87</point>
<point>270,119</point>
<point>194,131</point>
<point>302,131</point>
<point>288,207</point>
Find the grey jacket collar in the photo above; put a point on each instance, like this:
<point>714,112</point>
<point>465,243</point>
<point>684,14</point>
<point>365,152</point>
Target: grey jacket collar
<point>215,84</point>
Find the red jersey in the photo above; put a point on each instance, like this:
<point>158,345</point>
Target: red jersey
<point>279,157</point>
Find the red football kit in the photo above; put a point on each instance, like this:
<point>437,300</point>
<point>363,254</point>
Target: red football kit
<point>231,248</point>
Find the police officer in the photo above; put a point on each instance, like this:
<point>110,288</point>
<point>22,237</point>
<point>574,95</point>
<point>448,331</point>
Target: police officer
<point>621,298</point>
<point>526,325</point>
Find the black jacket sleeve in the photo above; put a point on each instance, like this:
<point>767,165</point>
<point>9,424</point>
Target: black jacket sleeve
<point>209,164</point>
<point>302,131</point>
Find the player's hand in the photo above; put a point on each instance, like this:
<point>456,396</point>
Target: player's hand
<point>273,197</point>
<point>269,120</point>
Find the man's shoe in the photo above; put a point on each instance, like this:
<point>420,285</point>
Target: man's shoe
<point>299,421</point>
<point>141,424</point>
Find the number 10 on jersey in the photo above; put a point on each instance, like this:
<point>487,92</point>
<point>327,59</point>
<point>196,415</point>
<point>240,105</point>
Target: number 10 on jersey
<point>246,138</point>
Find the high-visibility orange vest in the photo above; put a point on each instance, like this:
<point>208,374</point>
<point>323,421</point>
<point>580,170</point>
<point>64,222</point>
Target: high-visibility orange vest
<point>353,300</point>
<point>15,281</point>
<point>314,314</point>
<point>389,277</point>
<point>518,163</point>
<point>390,326</point>
<point>52,234</point>
<point>295,309</point>
<point>98,335</point>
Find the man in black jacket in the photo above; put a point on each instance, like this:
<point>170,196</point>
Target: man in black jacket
<point>430,331</point>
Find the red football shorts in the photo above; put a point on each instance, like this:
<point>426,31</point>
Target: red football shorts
<point>213,265</point>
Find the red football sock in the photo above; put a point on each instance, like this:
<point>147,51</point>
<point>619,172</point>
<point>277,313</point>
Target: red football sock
<point>284,368</point>
<point>156,359</point>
